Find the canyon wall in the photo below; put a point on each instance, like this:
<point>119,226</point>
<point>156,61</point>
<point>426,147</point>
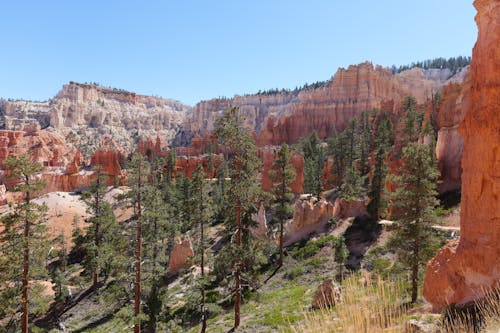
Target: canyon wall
<point>463,269</point>
<point>89,111</point>
<point>281,117</point>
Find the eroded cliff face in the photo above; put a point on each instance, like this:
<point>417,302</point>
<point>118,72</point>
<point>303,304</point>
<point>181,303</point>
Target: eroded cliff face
<point>288,116</point>
<point>91,111</point>
<point>461,270</point>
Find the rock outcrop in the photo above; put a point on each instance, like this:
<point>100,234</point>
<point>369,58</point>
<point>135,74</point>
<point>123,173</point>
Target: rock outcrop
<point>309,217</point>
<point>181,256</point>
<point>461,271</point>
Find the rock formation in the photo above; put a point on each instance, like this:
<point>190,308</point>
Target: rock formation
<point>260,230</point>
<point>95,111</point>
<point>287,116</point>
<point>181,256</point>
<point>327,295</point>
<point>309,217</point>
<point>462,270</point>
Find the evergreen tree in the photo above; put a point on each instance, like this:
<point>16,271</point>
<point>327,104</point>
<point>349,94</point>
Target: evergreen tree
<point>282,176</point>
<point>413,120</point>
<point>158,235</point>
<point>94,198</point>
<point>413,205</point>
<point>243,189</point>
<point>23,244</point>
<point>382,147</point>
<point>138,173</point>
<point>340,254</point>
<point>200,214</point>
<point>337,146</point>
<point>314,160</point>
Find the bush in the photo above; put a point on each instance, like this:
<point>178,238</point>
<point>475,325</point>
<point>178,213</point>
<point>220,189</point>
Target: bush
<point>294,272</point>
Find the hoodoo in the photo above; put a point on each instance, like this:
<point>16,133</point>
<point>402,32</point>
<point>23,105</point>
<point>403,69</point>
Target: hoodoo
<point>463,269</point>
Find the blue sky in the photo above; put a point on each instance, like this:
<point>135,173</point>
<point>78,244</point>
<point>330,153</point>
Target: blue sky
<point>192,50</point>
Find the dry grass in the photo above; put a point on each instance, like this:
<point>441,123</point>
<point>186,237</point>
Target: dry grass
<point>368,305</point>
<point>373,305</point>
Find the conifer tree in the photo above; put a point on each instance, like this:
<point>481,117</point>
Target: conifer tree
<point>242,168</point>
<point>314,160</point>
<point>138,172</point>
<point>282,176</point>
<point>200,215</point>
<point>413,205</point>
<point>382,147</point>
<point>23,242</point>
<point>340,254</point>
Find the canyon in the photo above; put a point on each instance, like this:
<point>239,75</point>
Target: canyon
<point>465,269</point>
<point>92,121</point>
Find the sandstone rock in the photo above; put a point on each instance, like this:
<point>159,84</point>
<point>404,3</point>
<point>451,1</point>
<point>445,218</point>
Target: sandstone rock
<point>181,256</point>
<point>327,295</point>
<point>460,272</point>
<point>449,145</point>
<point>109,160</point>
<point>309,217</point>
<point>344,209</point>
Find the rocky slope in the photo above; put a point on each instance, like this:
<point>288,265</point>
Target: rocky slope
<point>461,270</point>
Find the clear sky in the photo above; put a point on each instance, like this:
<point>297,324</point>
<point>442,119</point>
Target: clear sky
<point>191,50</point>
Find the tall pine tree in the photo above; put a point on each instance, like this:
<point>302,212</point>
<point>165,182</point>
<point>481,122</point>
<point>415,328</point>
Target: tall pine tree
<point>243,189</point>
<point>282,176</point>
<point>24,233</point>
<point>413,204</point>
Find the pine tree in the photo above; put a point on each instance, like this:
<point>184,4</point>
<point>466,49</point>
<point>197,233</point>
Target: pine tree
<point>413,205</point>
<point>158,237</point>
<point>337,146</point>
<point>138,172</point>
<point>242,168</point>
<point>382,147</point>
<point>94,198</point>
<point>340,254</point>
<point>24,229</point>
<point>314,160</point>
<point>282,176</point>
<point>200,214</point>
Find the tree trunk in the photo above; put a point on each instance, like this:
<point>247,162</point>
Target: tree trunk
<point>96,231</point>
<point>202,264</point>
<point>26,264</point>
<point>137,304</point>
<point>24,320</point>
<point>414,278</point>
<point>237,298</point>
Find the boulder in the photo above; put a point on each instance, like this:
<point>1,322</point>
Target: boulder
<point>327,295</point>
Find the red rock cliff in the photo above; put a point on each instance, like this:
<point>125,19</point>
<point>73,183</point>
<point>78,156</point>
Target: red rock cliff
<point>462,269</point>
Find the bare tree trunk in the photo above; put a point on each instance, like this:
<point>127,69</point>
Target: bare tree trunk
<point>237,298</point>
<point>137,304</point>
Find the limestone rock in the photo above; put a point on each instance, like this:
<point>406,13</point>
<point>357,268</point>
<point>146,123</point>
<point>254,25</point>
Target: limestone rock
<point>461,271</point>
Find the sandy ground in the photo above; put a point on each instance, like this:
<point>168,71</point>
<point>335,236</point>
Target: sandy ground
<point>62,209</point>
